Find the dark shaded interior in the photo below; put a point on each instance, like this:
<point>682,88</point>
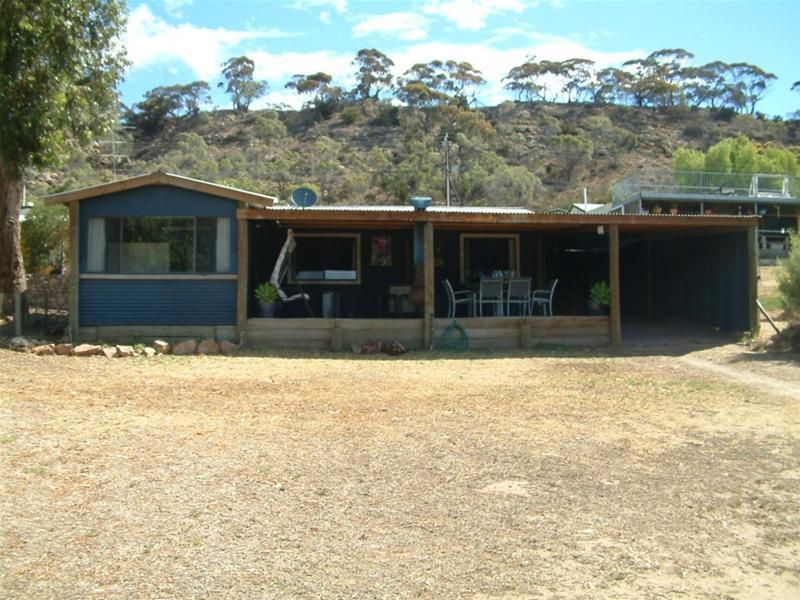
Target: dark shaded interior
<point>676,275</point>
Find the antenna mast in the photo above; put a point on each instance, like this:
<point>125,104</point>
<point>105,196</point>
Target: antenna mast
<point>447,168</point>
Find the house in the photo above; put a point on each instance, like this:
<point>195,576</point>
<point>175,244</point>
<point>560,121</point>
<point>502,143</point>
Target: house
<point>774,198</point>
<point>165,255</point>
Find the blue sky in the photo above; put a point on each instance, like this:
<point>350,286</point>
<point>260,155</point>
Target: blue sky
<point>179,41</point>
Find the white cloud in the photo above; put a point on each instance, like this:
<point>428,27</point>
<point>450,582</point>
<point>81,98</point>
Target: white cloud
<point>174,7</point>
<point>150,41</point>
<point>325,17</point>
<point>407,26</point>
<point>472,14</point>
<point>340,6</point>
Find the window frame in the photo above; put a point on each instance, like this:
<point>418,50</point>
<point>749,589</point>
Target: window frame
<point>356,237</point>
<point>122,272</point>
<point>513,256</point>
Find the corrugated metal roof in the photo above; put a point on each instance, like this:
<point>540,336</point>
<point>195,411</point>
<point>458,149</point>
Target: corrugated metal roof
<point>465,210</point>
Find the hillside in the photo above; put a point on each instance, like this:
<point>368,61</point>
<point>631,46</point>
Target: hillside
<point>529,154</point>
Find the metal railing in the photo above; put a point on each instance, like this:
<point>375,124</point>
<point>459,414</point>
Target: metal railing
<point>700,183</point>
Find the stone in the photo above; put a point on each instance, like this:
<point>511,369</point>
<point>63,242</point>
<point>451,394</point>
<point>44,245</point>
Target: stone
<point>22,344</point>
<point>87,350</point>
<point>149,352</point>
<point>109,352</point>
<point>227,347</point>
<point>162,347</point>
<point>63,349</point>
<point>208,346</point>
<point>44,350</point>
<point>187,347</point>
<point>124,351</point>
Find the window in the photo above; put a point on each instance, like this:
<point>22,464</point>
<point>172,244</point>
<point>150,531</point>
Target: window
<point>153,245</point>
<point>327,257</point>
<point>483,254</point>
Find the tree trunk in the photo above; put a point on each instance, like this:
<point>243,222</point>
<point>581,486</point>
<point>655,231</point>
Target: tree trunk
<point>12,271</point>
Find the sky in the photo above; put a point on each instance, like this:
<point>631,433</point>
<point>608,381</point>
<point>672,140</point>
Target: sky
<point>180,41</point>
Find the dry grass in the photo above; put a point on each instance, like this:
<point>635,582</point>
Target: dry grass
<point>498,475</point>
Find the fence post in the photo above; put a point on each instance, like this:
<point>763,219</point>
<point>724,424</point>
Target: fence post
<point>17,313</point>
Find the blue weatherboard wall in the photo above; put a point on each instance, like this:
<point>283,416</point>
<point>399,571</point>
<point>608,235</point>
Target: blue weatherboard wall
<point>157,302</point>
<point>142,301</point>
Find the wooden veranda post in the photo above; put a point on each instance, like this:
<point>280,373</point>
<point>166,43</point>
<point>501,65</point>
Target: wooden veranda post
<point>752,282</point>
<point>429,285</point>
<point>74,271</point>
<point>613,275</point>
<point>242,279</point>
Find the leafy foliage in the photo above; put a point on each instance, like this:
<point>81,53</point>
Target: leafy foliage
<point>161,103</point>
<point>789,278</point>
<point>59,67</point>
<point>243,89</point>
<point>374,73</point>
<point>738,155</point>
<point>45,237</point>
<point>63,54</point>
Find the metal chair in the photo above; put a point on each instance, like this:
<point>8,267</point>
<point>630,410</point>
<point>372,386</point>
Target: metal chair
<point>454,298</point>
<point>491,292</point>
<point>519,293</point>
<point>544,298</point>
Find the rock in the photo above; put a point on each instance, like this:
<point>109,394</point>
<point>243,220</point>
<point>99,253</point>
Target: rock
<point>87,350</point>
<point>109,352</point>
<point>187,347</point>
<point>149,352</point>
<point>44,350</point>
<point>124,351</point>
<point>394,348</point>
<point>227,347</point>
<point>208,346</point>
<point>63,349</point>
<point>22,343</point>
<point>162,347</point>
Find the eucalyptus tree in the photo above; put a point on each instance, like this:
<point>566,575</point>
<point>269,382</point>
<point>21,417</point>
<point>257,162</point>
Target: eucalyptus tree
<point>458,77</point>
<point>749,84</point>
<point>324,95</point>
<point>60,63</point>
<point>578,77</point>
<point>423,85</point>
<point>240,84</point>
<point>163,102</point>
<point>374,73</point>
<point>534,80</point>
<point>657,79</point>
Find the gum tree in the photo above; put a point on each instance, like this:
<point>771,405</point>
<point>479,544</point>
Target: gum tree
<point>60,62</point>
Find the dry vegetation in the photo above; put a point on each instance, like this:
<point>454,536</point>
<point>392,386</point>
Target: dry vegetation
<point>564,475</point>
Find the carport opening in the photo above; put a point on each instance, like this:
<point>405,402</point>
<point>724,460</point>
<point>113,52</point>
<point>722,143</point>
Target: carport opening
<point>699,278</point>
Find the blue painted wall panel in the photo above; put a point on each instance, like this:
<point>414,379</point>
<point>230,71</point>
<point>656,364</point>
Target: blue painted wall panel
<point>157,302</point>
<point>158,201</point>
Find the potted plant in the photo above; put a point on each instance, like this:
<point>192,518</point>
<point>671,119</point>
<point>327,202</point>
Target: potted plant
<point>599,298</point>
<point>267,296</point>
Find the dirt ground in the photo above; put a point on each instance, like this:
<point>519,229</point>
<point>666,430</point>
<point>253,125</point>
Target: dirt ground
<point>568,474</point>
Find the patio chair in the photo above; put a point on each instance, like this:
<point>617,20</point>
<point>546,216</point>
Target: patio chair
<point>544,298</point>
<point>454,298</point>
<point>519,294</point>
<point>282,268</point>
<point>491,293</point>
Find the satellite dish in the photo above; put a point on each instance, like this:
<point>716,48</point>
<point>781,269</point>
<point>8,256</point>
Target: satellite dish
<point>304,197</point>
